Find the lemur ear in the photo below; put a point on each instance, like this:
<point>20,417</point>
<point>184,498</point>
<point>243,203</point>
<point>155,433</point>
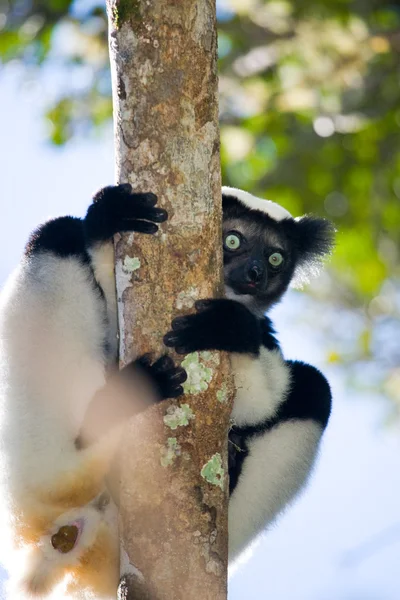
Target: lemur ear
<point>314,239</point>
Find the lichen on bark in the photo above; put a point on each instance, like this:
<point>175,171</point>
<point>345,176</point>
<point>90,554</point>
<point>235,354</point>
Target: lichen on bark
<point>167,142</point>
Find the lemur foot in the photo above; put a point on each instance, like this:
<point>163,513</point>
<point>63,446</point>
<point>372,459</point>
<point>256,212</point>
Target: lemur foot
<point>117,208</point>
<point>218,325</point>
<point>123,396</point>
<point>164,375</point>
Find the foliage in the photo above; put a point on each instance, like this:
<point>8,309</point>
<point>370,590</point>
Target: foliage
<point>310,116</point>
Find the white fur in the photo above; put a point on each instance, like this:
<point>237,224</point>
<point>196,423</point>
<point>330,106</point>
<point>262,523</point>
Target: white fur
<point>53,328</point>
<point>103,263</point>
<point>272,209</point>
<point>52,336</point>
<point>277,468</point>
<point>261,383</point>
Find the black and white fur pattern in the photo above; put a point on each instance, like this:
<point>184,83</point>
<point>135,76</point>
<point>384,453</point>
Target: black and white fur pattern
<point>281,407</point>
<point>58,342</point>
<point>62,398</point>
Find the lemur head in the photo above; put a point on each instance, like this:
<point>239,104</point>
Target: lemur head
<point>265,248</point>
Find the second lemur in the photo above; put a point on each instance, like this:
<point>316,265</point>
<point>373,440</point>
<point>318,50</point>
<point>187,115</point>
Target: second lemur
<point>281,406</point>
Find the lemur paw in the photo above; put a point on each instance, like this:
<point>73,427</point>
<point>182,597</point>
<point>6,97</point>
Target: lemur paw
<point>218,325</point>
<point>117,209</point>
<point>164,374</point>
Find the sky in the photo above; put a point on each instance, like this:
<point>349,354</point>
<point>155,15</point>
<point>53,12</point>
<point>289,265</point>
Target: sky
<point>341,539</point>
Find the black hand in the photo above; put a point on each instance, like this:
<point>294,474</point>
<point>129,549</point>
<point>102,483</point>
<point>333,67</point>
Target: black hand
<point>217,325</point>
<point>164,374</point>
<point>117,209</point>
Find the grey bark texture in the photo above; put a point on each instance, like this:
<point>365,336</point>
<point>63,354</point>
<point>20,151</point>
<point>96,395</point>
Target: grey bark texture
<point>174,482</point>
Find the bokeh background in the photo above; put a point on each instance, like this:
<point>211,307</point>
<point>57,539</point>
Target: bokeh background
<point>310,117</point>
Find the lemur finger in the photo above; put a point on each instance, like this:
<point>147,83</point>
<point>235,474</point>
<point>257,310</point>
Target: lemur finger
<point>179,375</point>
<point>144,198</point>
<point>147,212</point>
<point>124,187</point>
<point>180,323</point>
<point>183,350</point>
<point>165,363</point>
<point>171,339</point>
<point>201,305</point>
<point>145,360</point>
<point>175,392</point>
<point>143,227</point>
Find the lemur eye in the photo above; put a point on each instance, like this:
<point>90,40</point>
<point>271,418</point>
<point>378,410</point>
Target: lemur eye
<point>276,259</point>
<point>232,241</point>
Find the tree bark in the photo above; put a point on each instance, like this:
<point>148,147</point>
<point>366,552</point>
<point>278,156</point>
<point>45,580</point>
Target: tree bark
<point>174,488</point>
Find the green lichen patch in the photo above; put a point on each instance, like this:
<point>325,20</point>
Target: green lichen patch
<point>169,454</point>
<point>213,471</point>
<point>210,357</point>
<point>178,416</point>
<point>187,298</point>
<point>131,264</point>
<point>222,394</point>
<point>198,375</point>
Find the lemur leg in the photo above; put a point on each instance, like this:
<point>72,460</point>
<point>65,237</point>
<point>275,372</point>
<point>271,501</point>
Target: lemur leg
<point>276,466</point>
<point>271,459</point>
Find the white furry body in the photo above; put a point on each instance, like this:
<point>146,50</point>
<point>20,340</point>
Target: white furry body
<point>53,330</point>
<point>279,461</point>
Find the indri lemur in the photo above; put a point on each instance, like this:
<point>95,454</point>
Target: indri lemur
<point>61,394</point>
<point>58,335</point>
<point>281,407</point>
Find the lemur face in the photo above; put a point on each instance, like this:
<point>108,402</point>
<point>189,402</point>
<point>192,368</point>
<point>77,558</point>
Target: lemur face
<point>258,260</point>
<point>264,247</point>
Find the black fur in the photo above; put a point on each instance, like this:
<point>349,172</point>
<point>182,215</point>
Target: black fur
<point>63,236</point>
<point>312,237</point>
<point>237,452</point>
<point>117,209</point>
<point>164,375</point>
<point>218,325</point>
<point>234,209</point>
<point>309,398</point>
<point>268,338</point>
<point>114,209</point>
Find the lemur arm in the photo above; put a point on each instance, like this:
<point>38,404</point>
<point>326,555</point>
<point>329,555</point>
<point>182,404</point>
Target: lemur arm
<point>280,411</point>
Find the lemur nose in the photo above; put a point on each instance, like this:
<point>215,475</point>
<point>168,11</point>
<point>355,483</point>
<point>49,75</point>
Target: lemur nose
<point>255,271</point>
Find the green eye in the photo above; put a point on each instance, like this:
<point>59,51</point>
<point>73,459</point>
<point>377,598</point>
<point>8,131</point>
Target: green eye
<point>276,259</point>
<point>232,241</point>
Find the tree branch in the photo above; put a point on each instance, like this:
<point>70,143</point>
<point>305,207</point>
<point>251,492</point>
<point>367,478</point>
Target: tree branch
<point>174,478</point>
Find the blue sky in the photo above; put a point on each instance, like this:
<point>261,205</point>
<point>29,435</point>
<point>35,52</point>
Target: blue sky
<point>341,540</point>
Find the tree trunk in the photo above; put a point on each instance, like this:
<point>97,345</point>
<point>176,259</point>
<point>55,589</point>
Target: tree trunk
<point>174,488</point>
